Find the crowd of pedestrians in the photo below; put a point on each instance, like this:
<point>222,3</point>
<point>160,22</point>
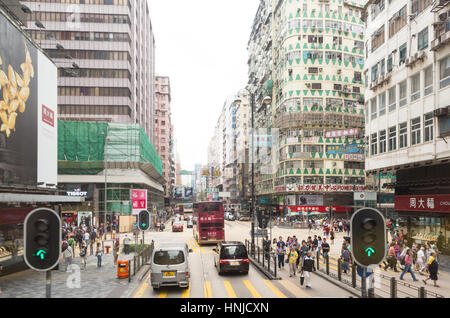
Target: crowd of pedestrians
<point>294,252</point>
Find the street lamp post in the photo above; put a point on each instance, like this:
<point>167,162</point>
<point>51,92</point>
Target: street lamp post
<point>267,100</point>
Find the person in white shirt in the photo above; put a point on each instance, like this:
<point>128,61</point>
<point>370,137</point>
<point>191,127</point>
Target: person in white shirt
<point>421,260</point>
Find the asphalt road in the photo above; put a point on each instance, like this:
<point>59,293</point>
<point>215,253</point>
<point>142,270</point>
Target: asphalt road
<point>206,283</point>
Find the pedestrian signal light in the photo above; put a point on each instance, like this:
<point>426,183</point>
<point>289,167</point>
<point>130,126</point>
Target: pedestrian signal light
<point>368,237</point>
<point>144,220</point>
<point>42,239</point>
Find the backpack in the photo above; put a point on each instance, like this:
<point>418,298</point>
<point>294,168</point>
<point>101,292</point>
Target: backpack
<point>83,252</point>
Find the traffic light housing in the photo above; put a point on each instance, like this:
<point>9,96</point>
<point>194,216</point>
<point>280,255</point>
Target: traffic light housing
<point>42,239</point>
<point>144,220</point>
<point>368,237</point>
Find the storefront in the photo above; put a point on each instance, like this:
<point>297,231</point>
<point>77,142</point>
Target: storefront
<point>425,219</point>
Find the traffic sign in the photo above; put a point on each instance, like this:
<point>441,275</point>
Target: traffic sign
<point>144,220</point>
<point>368,237</point>
<point>360,271</point>
<point>42,239</point>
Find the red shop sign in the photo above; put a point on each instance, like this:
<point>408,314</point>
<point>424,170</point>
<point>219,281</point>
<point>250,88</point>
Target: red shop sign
<point>423,203</point>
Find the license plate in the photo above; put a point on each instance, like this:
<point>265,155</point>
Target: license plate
<point>234,263</point>
<point>169,274</point>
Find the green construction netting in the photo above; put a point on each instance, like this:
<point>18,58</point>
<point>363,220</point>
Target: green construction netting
<point>81,146</point>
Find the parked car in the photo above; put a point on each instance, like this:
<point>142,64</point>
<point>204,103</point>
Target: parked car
<point>170,265</point>
<point>177,226</point>
<point>231,257</point>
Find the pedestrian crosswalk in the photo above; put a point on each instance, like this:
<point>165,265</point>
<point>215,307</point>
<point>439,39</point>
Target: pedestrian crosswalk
<point>228,289</point>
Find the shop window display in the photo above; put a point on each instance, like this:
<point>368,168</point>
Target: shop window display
<point>11,245</point>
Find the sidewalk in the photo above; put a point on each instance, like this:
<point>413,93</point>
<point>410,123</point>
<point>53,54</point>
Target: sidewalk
<point>92,282</point>
<point>443,275</point>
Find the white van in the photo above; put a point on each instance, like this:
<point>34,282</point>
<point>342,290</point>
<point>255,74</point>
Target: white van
<point>170,265</point>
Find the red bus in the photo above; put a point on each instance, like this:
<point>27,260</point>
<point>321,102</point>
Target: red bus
<point>209,225</point>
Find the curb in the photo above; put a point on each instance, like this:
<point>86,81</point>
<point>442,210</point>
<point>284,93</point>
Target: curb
<point>338,283</point>
<point>263,270</point>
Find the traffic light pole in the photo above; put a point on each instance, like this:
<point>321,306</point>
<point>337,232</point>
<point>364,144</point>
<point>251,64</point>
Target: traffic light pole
<point>252,102</point>
<point>363,283</point>
<point>48,284</point>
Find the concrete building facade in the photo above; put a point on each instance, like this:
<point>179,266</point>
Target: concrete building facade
<point>407,110</point>
<point>308,57</point>
<point>113,47</point>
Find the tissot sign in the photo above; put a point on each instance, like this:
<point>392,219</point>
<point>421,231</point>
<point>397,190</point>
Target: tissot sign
<point>423,203</point>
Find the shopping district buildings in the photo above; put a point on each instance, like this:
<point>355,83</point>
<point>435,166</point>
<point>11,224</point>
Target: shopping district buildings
<point>350,104</point>
<point>112,117</point>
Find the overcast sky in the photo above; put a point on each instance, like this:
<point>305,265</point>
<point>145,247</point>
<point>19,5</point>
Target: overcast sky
<point>202,46</point>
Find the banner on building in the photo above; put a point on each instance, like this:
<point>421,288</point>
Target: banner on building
<point>187,193</point>
<point>323,187</point>
<point>138,201</point>
<point>228,173</point>
<point>343,133</point>
<point>310,200</point>
<point>365,196</point>
<point>303,209</point>
<point>342,149</point>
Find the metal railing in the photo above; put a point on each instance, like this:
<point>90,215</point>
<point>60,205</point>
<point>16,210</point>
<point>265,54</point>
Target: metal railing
<point>141,259</point>
<point>384,287</point>
<point>265,259</point>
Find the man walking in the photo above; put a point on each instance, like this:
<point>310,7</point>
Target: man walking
<point>307,267</point>
<point>325,248</point>
<point>281,246</point>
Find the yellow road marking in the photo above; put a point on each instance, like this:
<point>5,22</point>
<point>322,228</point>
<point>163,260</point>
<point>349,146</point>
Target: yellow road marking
<point>192,246</point>
<point>299,293</point>
<point>186,292</point>
<point>229,289</point>
<point>274,290</point>
<point>141,290</point>
<point>252,289</point>
<point>163,294</point>
<point>207,290</point>
<point>198,246</point>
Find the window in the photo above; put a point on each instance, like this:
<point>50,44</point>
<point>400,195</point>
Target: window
<point>415,87</point>
<point>382,103</point>
<point>422,39</point>
<point>316,86</point>
<point>415,131</point>
<point>373,145</point>
<point>333,180</point>
<point>392,99</point>
<point>428,81</point>
<point>312,180</point>
<point>417,6</point>
<point>444,72</point>
<point>378,38</point>
<point>313,164</point>
<point>373,108</point>
<point>390,63</point>
<point>403,134</point>
<point>397,22</point>
<point>357,77</point>
<point>382,141</point>
<point>382,67</point>
<point>374,72</point>
<point>402,51</point>
<point>392,138</point>
<point>428,126</point>
<point>376,8</point>
<point>402,88</point>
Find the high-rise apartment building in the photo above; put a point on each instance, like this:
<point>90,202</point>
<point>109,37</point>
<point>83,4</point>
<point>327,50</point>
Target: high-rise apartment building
<point>407,111</point>
<point>308,57</point>
<point>105,53</point>
<point>164,131</point>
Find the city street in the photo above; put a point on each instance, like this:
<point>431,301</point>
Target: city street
<point>205,281</point>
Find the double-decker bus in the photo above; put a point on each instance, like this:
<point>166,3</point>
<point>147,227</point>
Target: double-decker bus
<point>209,225</point>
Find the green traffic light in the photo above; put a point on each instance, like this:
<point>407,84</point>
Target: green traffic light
<point>41,254</point>
<point>369,251</point>
<point>143,224</point>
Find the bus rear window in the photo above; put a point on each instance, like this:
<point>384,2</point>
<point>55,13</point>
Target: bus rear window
<point>211,207</point>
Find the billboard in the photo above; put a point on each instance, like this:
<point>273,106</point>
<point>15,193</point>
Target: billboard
<point>188,193</point>
<point>342,149</point>
<point>310,200</point>
<point>138,201</point>
<point>28,110</point>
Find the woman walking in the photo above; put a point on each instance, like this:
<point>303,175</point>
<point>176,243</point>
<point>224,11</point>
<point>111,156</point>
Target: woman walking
<point>99,255</point>
<point>432,269</point>
<point>332,237</point>
<point>293,255</point>
<point>408,266</point>
<point>83,255</point>
<point>116,252</point>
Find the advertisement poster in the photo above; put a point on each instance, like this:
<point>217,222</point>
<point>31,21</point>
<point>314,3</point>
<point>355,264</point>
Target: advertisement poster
<point>28,131</point>
<point>84,218</point>
<point>178,193</point>
<point>138,201</point>
<point>187,193</point>
<point>310,200</point>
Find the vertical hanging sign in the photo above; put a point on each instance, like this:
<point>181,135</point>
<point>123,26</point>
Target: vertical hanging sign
<point>138,201</point>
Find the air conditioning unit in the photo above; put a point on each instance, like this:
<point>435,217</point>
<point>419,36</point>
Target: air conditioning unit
<point>441,112</point>
<point>308,84</point>
<point>339,71</point>
<point>381,79</point>
<point>320,69</point>
<point>408,61</point>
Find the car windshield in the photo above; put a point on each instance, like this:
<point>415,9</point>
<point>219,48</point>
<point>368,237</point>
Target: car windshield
<point>178,223</point>
<point>169,258</point>
<point>233,252</point>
